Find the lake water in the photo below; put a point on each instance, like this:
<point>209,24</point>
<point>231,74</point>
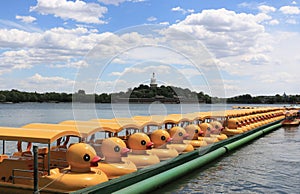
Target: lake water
<point>270,164</point>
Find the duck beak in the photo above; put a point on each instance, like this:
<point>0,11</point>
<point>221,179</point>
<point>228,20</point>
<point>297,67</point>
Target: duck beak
<point>213,131</point>
<point>201,133</point>
<point>149,145</point>
<point>186,136</point>
<point>95,160</point>
<point>124,152</point>
<point>169,140</point>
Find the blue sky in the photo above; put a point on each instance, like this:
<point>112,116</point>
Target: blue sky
<point>224,48</point>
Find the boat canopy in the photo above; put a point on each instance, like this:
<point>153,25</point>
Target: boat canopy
<point>176,118</point>
<point>153,120</point>
<point>116,125</point>
<point>34,135</point>
<point>87,128</point>
<point>45,133</point>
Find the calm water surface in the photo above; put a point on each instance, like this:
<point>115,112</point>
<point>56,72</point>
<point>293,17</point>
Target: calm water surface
<point>268,165</point>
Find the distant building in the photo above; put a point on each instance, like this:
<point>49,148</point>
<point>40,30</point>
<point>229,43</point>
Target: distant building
<point>153,83</point>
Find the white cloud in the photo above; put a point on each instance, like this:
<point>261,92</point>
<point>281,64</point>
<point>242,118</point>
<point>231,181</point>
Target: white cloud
<point>266,8</point>
<point>291,21</point>
<point>273,22</point>
<point>183,11</point>
<point>277,77</point>
<point>118,2</point>
<point>294,3</point>
<point>55,38</point>
<point>160,69</point>
<point>290,10</point>
<point>79,11</point>
<point>37,78</point>
<point>57,47</point>
<point>112,2</point>
<point>151,19</point>
<point>26,19</point>
<point>7,24</point>
<point>226,33</point>
<point>165,75</point>
<point>71,64</point>
<point>41,83</point>
<point>261,17</point>
<point>258,59</point>
<point>164,23</point>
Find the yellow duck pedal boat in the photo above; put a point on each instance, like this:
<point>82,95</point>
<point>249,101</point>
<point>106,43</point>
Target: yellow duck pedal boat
<point>140,143</point>
<point>179,135</point>
<point>207,128</point>
<point>81,174</point>
<point>115,162</point>
<point>194,131</point>
<point>161,138</point>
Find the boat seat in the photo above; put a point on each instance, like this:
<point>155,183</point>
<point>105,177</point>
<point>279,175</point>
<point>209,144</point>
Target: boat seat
<point>17,154</point>
<point>124,137</point>
<point>58,148</point>
<point>98,141</point>
<point>43,151</point>
<point>3,156</point>
<point>27,154</point>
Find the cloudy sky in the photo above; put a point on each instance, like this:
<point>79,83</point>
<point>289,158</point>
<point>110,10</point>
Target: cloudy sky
<point>224,48</point>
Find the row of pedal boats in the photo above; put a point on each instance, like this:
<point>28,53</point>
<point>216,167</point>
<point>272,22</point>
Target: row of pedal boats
<point>73,155</point>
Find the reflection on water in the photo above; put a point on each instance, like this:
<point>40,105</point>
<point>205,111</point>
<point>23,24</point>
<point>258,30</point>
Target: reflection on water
<point>268,165</point>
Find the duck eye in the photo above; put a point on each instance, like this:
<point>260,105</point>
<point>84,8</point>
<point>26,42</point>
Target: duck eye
<point>180,134</point>
<point>208,128</point>
<point>163,138</point>
<point>86,157</point>
<point>196,131</point>
<point>117,149</point>
<point>143,142</point>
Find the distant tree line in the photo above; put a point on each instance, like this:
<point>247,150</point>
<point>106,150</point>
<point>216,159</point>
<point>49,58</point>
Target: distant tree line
<point>16,96</point>
<point>143,93</point>
<point>277,99</point>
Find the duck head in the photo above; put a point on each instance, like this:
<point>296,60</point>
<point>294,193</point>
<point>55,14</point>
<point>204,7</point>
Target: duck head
<point>234,123</point>
<point>139,141</point>
<point>160,138</point>
<point>178,134</point>
<point>217,127</point>
<point>194,131</point>
<point>113,149</point>
<point>81,157</point>
<point>206,128</point>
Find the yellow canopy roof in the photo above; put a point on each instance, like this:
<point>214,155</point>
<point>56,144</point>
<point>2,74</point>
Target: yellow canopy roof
<point>176,118</point>
<point>84,128</point>
<point>204,115</point>
<point>117,124</point>
<point>91,127</point>
<point>34,135</point>
<point>218,114</point>
<point>155,120</point>
<point>193,116</point>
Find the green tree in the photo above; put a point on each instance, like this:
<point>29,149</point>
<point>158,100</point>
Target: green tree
<point>2,98</point>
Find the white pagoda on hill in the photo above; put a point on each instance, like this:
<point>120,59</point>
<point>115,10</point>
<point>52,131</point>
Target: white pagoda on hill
<point>153,83</point>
